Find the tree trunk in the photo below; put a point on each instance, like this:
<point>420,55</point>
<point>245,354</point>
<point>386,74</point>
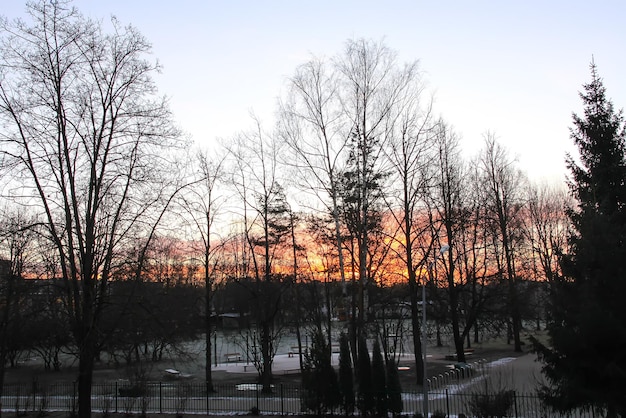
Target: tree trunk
<point>208,360</point>
<point>207,326</point>
<point>438,326</point>
<point>415,327</point>
<point>266,371</point>
<point>298,332</point>
<point>329,318</point>
<point>515,316</point>
<point>85,376</point>
<point>454,317</point>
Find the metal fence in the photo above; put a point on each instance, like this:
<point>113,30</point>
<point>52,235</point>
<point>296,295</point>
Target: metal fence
<point>502,404</point>
<point>193,398</point>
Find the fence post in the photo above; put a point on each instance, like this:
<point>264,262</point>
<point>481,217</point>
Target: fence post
<point>207,396</point>
<point>34,394</point>
<point>117,391</point>
<point>282,401</point>
<point>515,403</point>
<point>257,400</point>
<point>160,397</point>
<point>74,399</point>
<point>447,403</point>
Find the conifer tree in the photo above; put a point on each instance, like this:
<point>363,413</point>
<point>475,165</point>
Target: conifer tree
<point>365,401</point>
<point>379,381</point>
<point>394,389</point>
<point>319,379</point>
<point>346,379</point>
<point>584,360</point>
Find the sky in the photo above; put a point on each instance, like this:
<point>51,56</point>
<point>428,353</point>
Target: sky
<point>512,68</point>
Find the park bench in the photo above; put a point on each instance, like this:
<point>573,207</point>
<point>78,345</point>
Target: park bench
<point>233,357</point>
<point>175,374</point>
<point>452,356</point>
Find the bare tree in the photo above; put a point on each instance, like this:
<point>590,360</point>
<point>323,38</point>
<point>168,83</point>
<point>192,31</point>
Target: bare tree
<point>202,205</point>
<point>472,247</point>
<point>452,214</point>
<point>312,127</point>
<point>267,227</point>
<point>9,301</point>
<point>371,85</point>
<point>91,145</point>
<point>16,249</point>
<point>408,153</point>
<point>547,227</point>
<point>336,120</point>
<point>295,276</point>
<point>503,183</point>
<point>165,262</point>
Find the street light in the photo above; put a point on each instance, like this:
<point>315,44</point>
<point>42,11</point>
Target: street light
<point>424,362</point>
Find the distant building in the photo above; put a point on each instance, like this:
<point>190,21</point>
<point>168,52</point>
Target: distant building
<point>230,320</point>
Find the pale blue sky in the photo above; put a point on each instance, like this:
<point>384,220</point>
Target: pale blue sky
<point>511,67</point>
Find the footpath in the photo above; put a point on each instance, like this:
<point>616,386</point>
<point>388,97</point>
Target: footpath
<point>517,371</point>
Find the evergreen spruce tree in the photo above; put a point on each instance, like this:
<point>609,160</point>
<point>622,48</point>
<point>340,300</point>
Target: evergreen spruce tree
<point>584,360</point>
<point>365,400</point>
<point>346,379</point>
<point>394,388</point>
<point>379,380</point>
<point>319,379</point>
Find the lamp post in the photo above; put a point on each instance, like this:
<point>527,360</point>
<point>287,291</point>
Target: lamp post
<point>424,333</point>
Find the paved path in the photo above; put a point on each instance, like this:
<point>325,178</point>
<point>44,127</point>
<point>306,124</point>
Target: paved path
<point>522,373</point>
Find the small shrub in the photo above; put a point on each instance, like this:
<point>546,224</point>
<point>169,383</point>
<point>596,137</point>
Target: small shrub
<point>73,413</point>
<point>43,404</point>
<point>106,408</point>
<point>21,409</point>
<point>132,391</point>
<point>254,411</point>
<point>492,405</point>
<point>183,392</point>
<point>73,405</point>
<point>145,401</point>
<point>129,405</point>
<point>438,414</point>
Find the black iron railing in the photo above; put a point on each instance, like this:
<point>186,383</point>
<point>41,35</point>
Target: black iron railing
<point>179,397</point>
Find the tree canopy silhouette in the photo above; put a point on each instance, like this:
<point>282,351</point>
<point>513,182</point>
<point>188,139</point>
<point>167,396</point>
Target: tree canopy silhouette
<point>584,361</point>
